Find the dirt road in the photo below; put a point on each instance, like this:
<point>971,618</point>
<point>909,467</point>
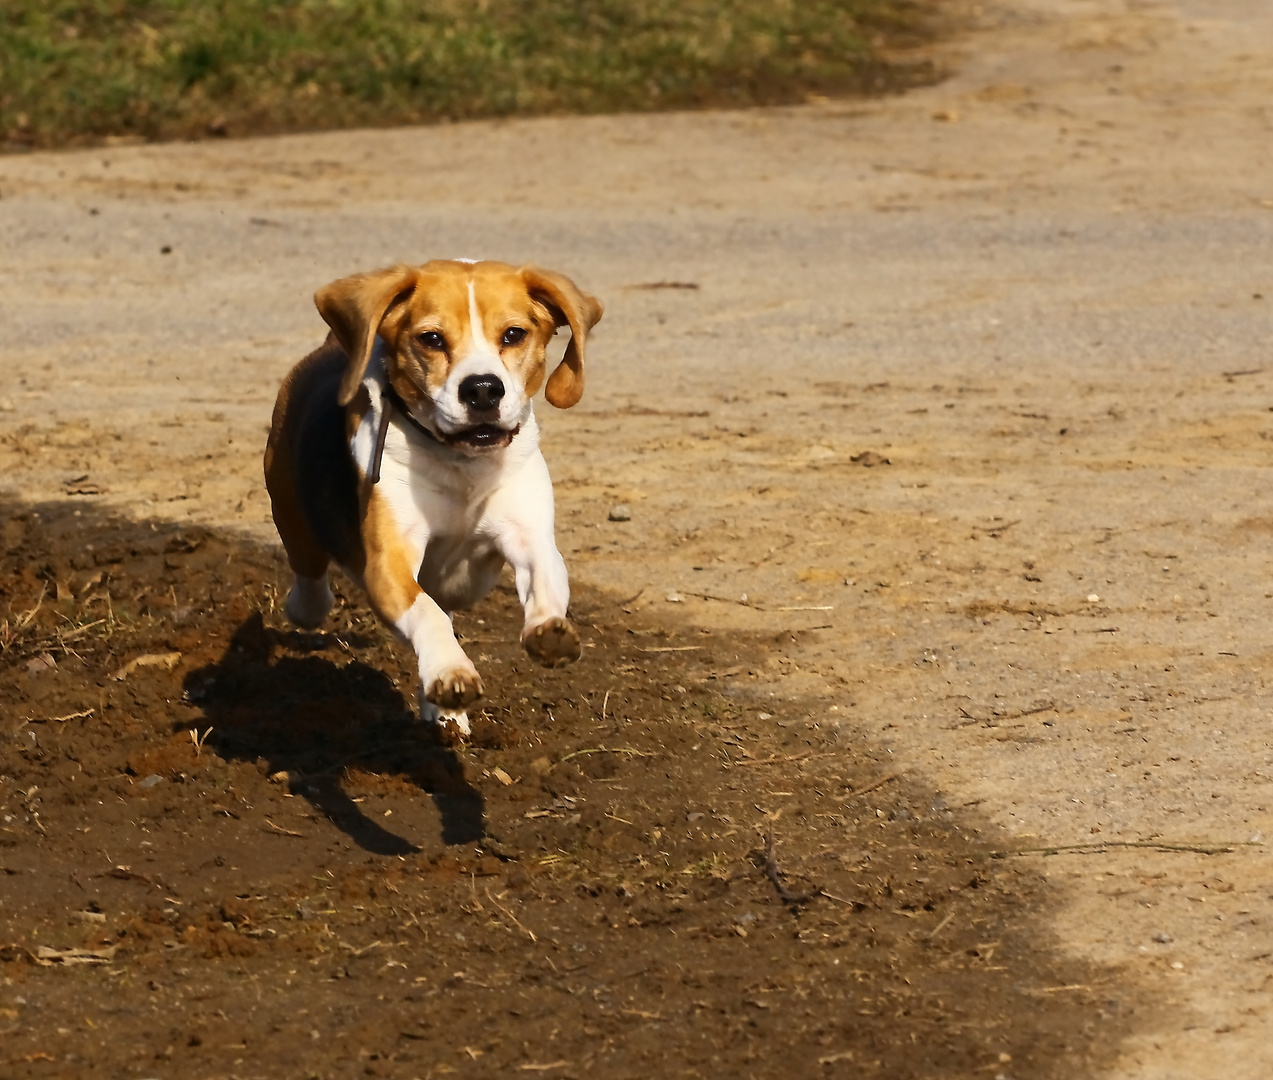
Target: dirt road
<point>1038,298</point>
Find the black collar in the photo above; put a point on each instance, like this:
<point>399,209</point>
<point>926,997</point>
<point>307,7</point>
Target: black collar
<point>390,397</point>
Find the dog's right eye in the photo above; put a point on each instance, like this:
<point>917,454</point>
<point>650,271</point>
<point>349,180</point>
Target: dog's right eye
<point>431,339</point>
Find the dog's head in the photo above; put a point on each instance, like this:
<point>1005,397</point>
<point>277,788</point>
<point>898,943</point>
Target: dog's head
<point>463,342</point>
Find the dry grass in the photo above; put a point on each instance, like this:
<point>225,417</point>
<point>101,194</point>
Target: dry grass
<point>85,70</point>
<point>57,627</point>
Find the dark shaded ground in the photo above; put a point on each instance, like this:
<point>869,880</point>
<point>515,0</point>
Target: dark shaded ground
<point>593,887</point>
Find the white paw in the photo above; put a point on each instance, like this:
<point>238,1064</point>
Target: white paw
<point>308,602</point>
<point>453,688</point>
<point>554,642</point>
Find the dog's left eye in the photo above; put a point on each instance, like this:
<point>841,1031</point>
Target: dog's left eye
<point>431,339</point>
<point>513,335</point>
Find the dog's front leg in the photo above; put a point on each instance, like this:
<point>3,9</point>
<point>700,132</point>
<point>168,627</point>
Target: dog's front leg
<point>449,679</point>
<point>544,590</point>
<point>547,634</point>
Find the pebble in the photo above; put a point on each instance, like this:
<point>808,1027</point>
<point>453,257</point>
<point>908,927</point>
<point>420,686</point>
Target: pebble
<point>1163,938</point>
<point>1092,598</point>
<point>620,513</point>
<point>151,781</point>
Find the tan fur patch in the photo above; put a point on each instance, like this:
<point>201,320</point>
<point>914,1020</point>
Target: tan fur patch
<point>391,566</point>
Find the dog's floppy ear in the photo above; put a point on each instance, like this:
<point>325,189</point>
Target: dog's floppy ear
<point>569,306</point>
<point>354,308</point>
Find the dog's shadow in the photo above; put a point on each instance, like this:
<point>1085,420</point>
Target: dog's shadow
<point>312,719</point>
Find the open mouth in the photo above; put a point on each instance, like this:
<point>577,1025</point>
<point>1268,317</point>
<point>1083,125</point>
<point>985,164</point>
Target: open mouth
<point>482,437</point>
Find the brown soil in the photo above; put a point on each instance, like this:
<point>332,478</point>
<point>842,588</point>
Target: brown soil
<point>640,866</point>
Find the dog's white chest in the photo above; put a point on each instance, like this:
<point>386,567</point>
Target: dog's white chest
<point>459,515</point>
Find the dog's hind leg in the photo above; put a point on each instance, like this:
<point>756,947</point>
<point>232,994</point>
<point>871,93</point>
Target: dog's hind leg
<point>310,598</point>
<point>308,601</point>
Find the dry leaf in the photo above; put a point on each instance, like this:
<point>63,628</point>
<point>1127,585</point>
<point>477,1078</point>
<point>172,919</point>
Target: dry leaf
<point>167,660</point>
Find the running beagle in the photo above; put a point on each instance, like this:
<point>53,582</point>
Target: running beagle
<point>405,450</point>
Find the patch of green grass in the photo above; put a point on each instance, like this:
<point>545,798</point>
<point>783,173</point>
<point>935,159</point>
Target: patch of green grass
<point>81,70</point>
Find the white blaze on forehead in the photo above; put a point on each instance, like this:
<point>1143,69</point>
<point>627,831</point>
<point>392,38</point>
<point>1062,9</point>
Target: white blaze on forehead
<point>475,319</point>
<point>468,262</point>
<point>480,356</point>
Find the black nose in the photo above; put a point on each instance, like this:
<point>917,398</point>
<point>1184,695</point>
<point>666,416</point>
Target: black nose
<point>481,392</point>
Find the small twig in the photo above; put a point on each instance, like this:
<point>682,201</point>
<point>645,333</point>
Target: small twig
<point>78,630</point>
<point>605,750</point>
<point>72,716</point>
<point>633,598</point>
<point>741,602</point>
<point>673,648</point>
<point>940,926</point>
<point>996,528</point>
<point>1151,845</point>
<point>807,607</point>
<point>872,787</point>
<point>71,652</point>
<point>604,702</point>
<point>24,620</point>
<point>775,875</point>
<point>775,760</point>
<point>280,829</point>
<point>992,720</point>
<point>509,915</point>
